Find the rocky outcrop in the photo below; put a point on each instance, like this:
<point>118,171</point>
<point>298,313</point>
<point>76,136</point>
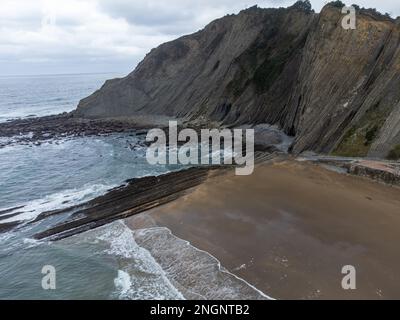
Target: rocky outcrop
<point>388,174</point>
<point>378,170</point>
<point>136,196</point>
<point>335,90</point>
<point>51,128</point>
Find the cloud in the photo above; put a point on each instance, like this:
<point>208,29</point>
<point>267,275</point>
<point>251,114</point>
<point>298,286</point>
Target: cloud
<point>180,16</point>
<point>57,36</point>
<point>65,32</point>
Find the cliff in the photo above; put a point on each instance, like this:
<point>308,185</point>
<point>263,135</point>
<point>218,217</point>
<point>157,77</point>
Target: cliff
<point>335,90</point>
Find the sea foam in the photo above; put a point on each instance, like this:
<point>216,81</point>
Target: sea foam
<point>60,200</point>
<point>139,276</point>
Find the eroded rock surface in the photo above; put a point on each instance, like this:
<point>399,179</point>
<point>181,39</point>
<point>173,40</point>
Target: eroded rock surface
<point>335,90</point>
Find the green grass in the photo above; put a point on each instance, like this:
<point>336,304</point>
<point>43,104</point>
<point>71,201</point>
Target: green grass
<point>359,138</point>
<point>354,144</point>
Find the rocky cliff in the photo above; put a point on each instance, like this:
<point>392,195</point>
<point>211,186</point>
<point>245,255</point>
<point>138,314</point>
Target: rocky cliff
<point>335,90</point>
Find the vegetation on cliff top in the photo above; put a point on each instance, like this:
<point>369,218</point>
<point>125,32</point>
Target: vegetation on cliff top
<point>303,5</point>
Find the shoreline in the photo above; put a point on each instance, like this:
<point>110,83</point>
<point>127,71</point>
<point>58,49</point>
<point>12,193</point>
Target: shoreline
<point>234,219</point>
<point>38,130</point>
<point>266,229</point>
<point>195,273</point>
<point>49,128</point>
<point>292,238</point>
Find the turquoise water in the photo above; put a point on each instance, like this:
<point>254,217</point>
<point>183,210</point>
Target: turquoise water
<point>110,262</point>
<point>59,174</point>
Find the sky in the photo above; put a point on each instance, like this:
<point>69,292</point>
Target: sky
<point>95,36</point>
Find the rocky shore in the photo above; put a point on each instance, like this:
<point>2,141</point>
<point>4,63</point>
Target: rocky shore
<point>275,66</point>
<point>387,172</point>
<point>289,229</point>
<point>37,130</point>
<point>142,194</point>
<point>137,195</point>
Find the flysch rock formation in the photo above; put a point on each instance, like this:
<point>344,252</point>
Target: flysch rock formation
<point>335,90</point>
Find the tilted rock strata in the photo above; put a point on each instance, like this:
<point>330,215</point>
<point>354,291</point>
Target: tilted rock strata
<point>335,90</point>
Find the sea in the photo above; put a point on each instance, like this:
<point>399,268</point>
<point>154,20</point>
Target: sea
<point>110,262</point>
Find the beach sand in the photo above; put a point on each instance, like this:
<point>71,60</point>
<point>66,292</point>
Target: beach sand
<point>289,229</point>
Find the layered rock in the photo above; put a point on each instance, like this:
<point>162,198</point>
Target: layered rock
<point>335,90</point>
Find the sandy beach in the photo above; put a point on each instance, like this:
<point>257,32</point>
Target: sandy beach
<point>289,228</point>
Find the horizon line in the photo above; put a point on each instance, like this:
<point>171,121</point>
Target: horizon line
<point>57,74</point>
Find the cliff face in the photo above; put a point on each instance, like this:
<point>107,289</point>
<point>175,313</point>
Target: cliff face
<point>335,90</point>
<point>346,92</point>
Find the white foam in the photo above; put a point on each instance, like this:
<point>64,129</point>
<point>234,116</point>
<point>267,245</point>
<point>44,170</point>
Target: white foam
<point>7,236</point>
<point>152,283</point>
<point>199,264</point>
<point>147,272</point>
<point>31,243</point>
<point>123,284</point>
<point>60,200</point>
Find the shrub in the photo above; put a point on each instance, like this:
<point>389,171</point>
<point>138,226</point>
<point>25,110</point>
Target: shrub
<point>303,5</point>
<point>337,4</point>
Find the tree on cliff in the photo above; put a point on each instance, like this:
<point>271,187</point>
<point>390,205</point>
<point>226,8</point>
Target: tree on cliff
<point>337,4</point>
<point>303,5</point>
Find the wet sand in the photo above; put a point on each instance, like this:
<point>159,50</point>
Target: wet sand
<point>289,228</point>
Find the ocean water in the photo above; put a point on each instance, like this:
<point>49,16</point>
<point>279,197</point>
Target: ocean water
<point>30,96</point>
<point>111,262</point>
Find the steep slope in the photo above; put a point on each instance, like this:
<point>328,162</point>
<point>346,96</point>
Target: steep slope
<point>335,90</point>
<point>208,73</point>
<point>346,86</point>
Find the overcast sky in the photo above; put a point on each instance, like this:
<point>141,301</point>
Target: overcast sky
<point>85,36</point>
